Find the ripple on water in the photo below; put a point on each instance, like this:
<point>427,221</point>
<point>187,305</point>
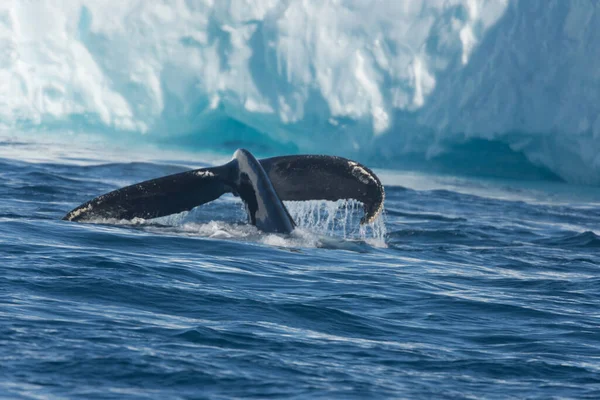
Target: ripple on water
<point>447,295</point>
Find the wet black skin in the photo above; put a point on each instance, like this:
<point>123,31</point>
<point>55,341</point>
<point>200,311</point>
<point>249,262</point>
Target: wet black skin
<point>265,208</point>
<point>263,185</point>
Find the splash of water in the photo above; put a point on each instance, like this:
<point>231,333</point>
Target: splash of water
<point>337,218</point>
<point>315,219</point>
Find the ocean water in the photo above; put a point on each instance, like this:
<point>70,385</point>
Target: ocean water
<point>466,288</point>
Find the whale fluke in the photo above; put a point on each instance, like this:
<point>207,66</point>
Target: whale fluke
<point>317,177</point>
<point>262,185</point>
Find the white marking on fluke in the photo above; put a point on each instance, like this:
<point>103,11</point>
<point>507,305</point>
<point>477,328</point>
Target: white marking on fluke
<point>80,211</point>
<point>366,177</point>
<point>205,174</point>
<point>362,174</point>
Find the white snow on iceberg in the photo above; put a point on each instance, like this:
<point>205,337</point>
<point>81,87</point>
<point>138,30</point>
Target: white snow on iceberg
<point>370,77</point>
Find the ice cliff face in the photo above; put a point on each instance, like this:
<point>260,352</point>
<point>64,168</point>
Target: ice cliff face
<point>534,82</point>
<point>379,77</point>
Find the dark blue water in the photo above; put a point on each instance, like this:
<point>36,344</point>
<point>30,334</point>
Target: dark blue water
<point>482,289</point>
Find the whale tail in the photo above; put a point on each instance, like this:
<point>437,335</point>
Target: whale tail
<point>261,184</point>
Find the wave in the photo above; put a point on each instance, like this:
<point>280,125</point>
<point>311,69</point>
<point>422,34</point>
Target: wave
<point>585,239</point>
<point>438,82</point>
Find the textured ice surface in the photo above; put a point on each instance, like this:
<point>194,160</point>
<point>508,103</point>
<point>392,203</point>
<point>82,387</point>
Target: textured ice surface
<point>372,77</point>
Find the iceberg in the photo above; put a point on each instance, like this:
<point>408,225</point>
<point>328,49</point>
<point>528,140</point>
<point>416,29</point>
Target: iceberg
<point>446,82</point>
